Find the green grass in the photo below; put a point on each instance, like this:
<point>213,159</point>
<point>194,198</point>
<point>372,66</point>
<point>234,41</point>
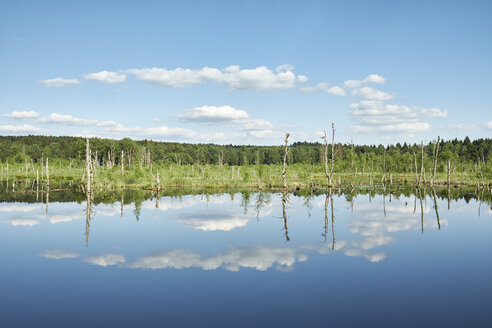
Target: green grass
<point>257,177</point>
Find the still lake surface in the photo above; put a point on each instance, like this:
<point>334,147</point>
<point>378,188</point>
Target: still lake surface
<point>247,259</point>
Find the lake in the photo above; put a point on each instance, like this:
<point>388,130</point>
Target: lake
<point>246,259</point>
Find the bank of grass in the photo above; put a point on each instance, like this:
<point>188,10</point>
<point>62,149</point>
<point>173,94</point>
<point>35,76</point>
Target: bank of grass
<point>256,177</point>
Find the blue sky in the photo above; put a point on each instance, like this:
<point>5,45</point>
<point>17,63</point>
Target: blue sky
<point>246,72</point>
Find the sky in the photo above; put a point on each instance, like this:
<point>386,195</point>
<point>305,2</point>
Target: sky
<point>247,72</point>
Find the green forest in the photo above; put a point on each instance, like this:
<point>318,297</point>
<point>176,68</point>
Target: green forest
<point>466,161</point>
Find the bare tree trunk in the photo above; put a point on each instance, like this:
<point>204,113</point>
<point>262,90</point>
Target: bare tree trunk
<point>47,174</point>
<point>449,171</point>
<point>436,154</point>
<point>384,167</point>
<point>88,165</point>
<point>422,163</point>
<point>284,169</point>
<point>122,162</point>
<point>327,172</point>
<point>416,169</point>
<point>481,174</point>
<point>157,180</point>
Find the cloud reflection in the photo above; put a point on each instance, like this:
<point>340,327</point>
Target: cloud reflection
<point>21,221</point>
<point>106,259</point>
<point>213,221</point>
<point>58,254</point>
<point>259,258</point>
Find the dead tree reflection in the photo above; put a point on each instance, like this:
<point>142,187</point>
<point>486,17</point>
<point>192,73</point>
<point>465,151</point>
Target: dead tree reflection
<point>435,207</point>
<point>88,217</point>
<point>329,199</point>
<point>284,214</point>
<point>421,210</point>
<point>262,199</point>
<point>122,201</point>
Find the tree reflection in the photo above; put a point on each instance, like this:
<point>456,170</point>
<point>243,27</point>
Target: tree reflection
<point>435,207</point>
<point>329,199</point>
<point>284,214</point>
<point>262,199</point>
<point>88,217</point>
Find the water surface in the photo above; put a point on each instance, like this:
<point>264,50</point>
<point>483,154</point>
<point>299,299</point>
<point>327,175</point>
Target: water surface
<point>246,259</point>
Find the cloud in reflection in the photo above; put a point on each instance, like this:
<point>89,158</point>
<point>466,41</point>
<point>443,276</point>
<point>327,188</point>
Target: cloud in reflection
<point>371,222</point>
<point>259,258</point>
<point>171,203</point>
<point>106,259</point>
<point>20,207</point>
<point>58,254</point>
<point>213,221</point>
<point>21,221</point>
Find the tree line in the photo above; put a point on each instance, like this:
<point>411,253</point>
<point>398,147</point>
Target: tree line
<point>349,157</point>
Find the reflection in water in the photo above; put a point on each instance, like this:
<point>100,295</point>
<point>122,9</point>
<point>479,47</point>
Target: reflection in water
<point>421,210</point>
<point>284,214</point>
<point>329,199</point>
<point>435,207</point>
<point>364,233</point>
<point>262,200</point>
<point>88,214</point>
<point>259,258</point>
<point>225,220</point>
<point>58,254</point>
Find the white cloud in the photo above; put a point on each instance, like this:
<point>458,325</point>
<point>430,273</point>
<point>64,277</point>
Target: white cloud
<point>157,132</point>
<point>372,94</point>
<point>463,127</point>
<point>58,254</point>
<point>59,82</point>
<point>14,129</point>
<point>325,86</point>
<point>106,77</point>
<point>372,78</point>
<point>488,125</point>
<point>228,116</point>
<point>376,117</point>
<point>336,90</point>
<point>67,119</point>
<point>259,78</point>
<point>24,115</point>
<point>106,259</point>
<point>112,128</point>
<point>213,114</point>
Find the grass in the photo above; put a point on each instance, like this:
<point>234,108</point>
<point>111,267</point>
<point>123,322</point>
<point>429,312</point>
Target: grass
<point>256,177</point>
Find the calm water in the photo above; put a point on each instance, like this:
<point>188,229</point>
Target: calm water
<point>242,260</point>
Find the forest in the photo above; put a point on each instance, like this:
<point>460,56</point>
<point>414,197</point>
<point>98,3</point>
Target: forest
<point>136,162</point>
<point>18,149</point>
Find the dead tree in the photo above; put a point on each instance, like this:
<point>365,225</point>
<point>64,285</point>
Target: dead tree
<point>157,180</point>
<point>47,175</point>
<point>122,162</point>
<point>329,172</point>
<point>436,154</point>
<point>481,173</point>
<point>422,163</point>
<point>449,171</point>
<point>284,169</point>
<point>416,169</point>
<point>88,165</point>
